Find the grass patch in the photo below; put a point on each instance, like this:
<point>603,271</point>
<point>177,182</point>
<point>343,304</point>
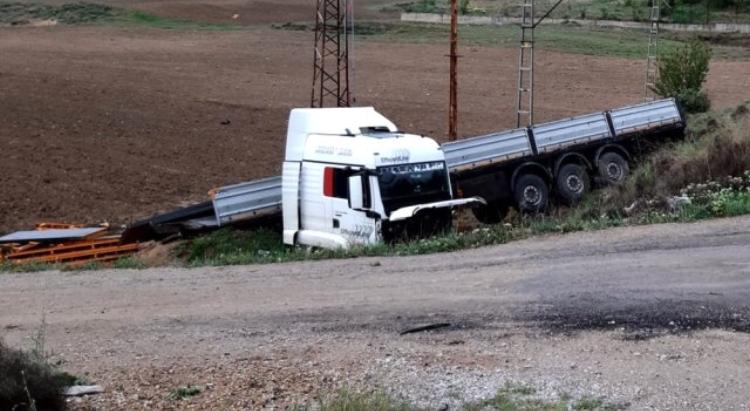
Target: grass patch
<point>185,392</point>
<point>567,38</point>
<point>8,267</point>
<point>16,13</point>
<point>143,19</point>
<point>348,400</point>
<point>510,398</point>
<point>521,398</point>
<point>129,263</point>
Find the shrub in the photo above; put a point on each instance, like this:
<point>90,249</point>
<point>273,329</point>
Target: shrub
<point>717,146</point>
<point>27,382</point>
<point>464,7</point>
<point>682,74</point>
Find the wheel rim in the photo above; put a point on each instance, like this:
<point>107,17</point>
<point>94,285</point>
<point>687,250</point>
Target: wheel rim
<point>574,183</point>
<point>532,195</point>
<point>614,172</point>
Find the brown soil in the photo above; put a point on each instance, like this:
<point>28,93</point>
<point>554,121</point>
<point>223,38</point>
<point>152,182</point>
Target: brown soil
<point>108,123</point>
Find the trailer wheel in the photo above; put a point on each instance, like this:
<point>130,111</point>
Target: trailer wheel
<point>532,194</point>
<point>572,183</point>
<point>613,168</point>
<point>492,213</point>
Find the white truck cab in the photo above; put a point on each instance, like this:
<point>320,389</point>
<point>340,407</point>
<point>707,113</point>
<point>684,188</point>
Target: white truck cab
<point>350,177</point>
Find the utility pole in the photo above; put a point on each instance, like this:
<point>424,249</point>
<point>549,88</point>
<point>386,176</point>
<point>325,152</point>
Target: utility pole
<point>525,100</point>
<point>333,27</point>
<point>453,105</point>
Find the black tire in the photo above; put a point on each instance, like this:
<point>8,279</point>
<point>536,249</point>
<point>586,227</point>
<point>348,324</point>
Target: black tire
<point>613,169</point>
<point>493,213</point>
<point>532,194</point>
<point>572,183</point>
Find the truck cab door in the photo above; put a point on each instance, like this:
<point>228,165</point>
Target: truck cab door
<point>355,224</point>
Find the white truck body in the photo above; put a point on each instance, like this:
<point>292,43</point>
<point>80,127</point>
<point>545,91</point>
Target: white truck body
<point>350,177</point>
<point>349,171</point>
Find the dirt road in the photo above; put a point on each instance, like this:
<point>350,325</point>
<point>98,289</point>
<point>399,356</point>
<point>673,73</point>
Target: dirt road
<point>647,317</point>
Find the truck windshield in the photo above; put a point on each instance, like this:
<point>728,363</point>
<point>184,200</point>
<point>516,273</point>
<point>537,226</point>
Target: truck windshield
<point>411,184</point>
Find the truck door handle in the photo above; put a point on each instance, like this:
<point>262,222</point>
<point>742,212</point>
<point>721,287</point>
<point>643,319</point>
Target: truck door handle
<point>336,223</point>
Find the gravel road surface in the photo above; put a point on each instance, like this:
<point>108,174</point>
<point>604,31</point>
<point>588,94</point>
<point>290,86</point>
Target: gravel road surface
<point>652,317</point>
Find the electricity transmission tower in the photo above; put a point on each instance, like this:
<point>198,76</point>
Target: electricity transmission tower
<point>525,101</point>
<point>652,59</point>
<point>333,27</point>
<point>525,106</point>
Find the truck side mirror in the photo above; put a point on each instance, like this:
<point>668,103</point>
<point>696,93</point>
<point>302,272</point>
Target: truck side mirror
<point>359,192</point>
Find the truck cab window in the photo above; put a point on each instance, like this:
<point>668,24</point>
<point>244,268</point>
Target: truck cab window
<point>411,184</point>
<point>336,182</point>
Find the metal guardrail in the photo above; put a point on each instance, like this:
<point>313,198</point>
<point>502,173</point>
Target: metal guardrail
<point>247,200</point>
<point>646,116</point>
<point>487,149</point>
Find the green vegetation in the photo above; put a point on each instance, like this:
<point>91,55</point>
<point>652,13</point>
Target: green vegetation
<point>16,13</point>
<point>144,19</point>
<point>680,11</point>
<point>129,262</point>
<point>7,267</point>
<point>185,392</point>
<point>29,382</point>
<point>521,398</point>
<point>716,148</point>
<point>436,6</point>
<point>568,38</point>
<point>682,73</point>
<point>509,398</point>
<point>347,400</point>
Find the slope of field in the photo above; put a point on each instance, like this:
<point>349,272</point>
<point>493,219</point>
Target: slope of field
<point>113,123</point>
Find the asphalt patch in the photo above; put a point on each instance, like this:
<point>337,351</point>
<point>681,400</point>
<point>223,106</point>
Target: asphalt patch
<point>638,321</point>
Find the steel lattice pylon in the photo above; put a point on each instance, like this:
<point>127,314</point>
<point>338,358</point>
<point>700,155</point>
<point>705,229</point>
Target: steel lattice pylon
<point>652,59</point>
<point>331,64</point>
<point>525,101</point>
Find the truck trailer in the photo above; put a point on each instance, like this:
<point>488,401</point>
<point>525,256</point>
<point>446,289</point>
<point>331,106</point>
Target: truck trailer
<point>527,167</point>
<point>351,177</point>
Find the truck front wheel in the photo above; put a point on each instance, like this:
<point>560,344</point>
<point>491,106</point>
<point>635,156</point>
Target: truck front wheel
<point>572,183</point>
<point>532,194</point>
<point>613,168</point>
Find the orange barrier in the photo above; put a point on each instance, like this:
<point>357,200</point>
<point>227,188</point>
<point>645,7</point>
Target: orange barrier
<point>93,248</point>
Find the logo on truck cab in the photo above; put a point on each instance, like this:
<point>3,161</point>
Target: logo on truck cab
<point>396,156</point>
